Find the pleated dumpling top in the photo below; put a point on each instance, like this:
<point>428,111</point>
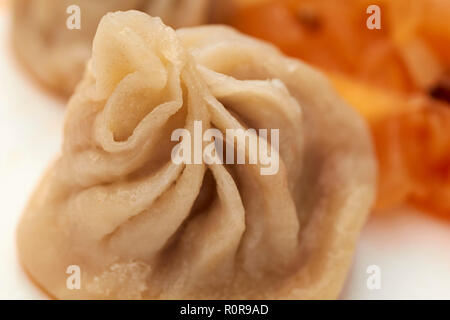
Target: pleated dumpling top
<point>53,38</point>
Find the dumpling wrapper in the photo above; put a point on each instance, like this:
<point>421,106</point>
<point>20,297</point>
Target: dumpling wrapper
<point>57,55</point>
<point>140,226</point>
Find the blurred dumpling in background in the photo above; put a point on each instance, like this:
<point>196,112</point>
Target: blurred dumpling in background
<point>56,55</point>
<point>141,226</point>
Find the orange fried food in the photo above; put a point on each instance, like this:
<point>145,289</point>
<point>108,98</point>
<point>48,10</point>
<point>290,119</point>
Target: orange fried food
<point>410,52</point>
<point>422,142</point>
<point>394,77</point>
<point>331,35</point>
<point>412,139</point>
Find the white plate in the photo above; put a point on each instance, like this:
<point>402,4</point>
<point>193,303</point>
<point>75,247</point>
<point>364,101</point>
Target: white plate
<point>411,249</point>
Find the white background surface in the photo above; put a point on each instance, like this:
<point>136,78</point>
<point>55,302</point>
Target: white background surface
<point>412,249</point>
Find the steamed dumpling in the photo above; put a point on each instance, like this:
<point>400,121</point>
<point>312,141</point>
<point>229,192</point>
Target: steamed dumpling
<point>141,226</point>
<point>56,55</point>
